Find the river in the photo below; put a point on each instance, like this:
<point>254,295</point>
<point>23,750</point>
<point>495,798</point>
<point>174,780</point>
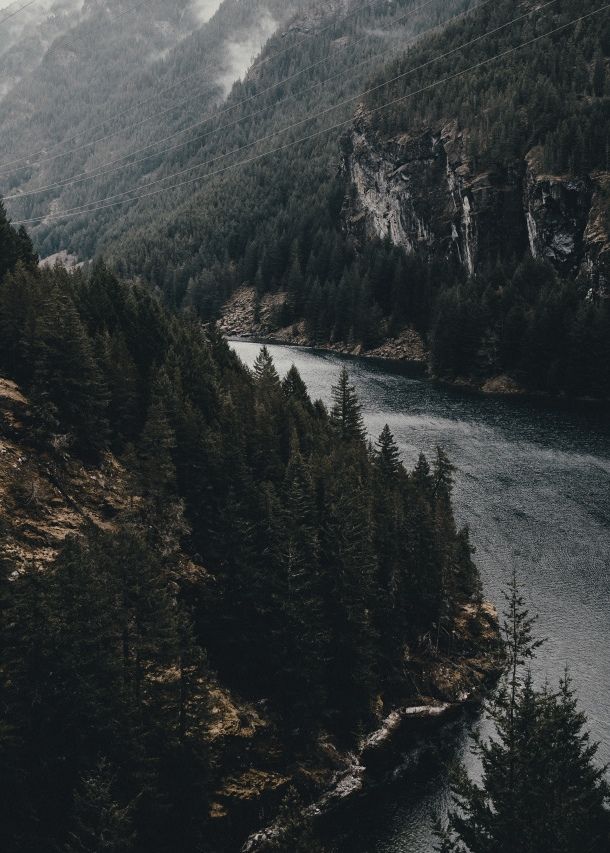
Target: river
<point>533,483</point>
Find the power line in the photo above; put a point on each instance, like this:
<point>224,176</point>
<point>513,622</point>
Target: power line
<point>97,173</point>
<point>322,113</point>
<point>78,211</point>
<point>168,89</point>
<point>16,12</point>
<point>195,95</point>
<point>60,44</point>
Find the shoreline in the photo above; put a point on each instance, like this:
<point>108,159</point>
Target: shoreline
<point>491,388</point>
<point>387,755</point>
<point>404,736</point>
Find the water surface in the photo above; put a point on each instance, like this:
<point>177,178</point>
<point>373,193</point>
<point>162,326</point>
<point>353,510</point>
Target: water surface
<point>533,483</point>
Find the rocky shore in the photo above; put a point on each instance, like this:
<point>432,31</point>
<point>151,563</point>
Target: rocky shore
<point>245,316</point>
<point>394,748</point>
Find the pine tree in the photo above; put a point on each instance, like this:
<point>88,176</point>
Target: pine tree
<point>294,387</point>
<point>541,791</point>
<point>163,507</point>
<point>387,454</point>
<point>66,372</point>
<point>346,413</point>
<point>265,373</point>
<point>442,475</point>
<point>303,594</point>
<point>100,824</point>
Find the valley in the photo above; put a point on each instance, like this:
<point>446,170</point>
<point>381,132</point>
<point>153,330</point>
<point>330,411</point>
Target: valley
<point>304,445</point>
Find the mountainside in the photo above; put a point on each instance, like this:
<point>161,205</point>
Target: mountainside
<point>110,79</point>
<point>509,160</point>
<point>424,193</point>
<point>212,589</point>
<point>324,52</point>
<point>462,201</point>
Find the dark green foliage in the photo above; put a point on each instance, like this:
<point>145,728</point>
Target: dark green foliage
<point>346,413</point>
<point>388,455</point>
<point>277,224</point>
<point>325,562</point>
<point>97,658</point>
<point>549,335</point>
<point>550,94</point>
<point>541,791</point>
<point>15,246</point>
<point>285,225</point>
<point>100,824</point>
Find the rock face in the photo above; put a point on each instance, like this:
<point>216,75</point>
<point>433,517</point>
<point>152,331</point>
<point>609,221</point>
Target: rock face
<point>423,192</point>
<point>243,317</point>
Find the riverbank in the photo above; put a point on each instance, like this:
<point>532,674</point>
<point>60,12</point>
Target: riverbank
<point>532,483</point>
<point>245,317</point>
<point>447,687</point>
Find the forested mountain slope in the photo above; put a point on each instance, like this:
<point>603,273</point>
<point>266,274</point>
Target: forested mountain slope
<point>336,39</point>
<point>117,76</point>
<point>211,587</point>
<point>473,209</point>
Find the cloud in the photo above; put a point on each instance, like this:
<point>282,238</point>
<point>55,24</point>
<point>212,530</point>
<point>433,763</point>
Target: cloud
<point>205,9</point>
<point>25,36</point>
<point>241,53</point>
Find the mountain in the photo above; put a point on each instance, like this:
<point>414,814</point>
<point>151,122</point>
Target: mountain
<point>310,43</point>
<point>110,78</point>
<point>458,211</point>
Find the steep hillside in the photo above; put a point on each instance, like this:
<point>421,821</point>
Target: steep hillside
<point>508,160</point>
<point>311,42</point>
<point>212,589</point>
<point>474,209</point>
<point>110,80</point>
<point>54,506</point>
<point>423,191</point>
<point>465,205</point>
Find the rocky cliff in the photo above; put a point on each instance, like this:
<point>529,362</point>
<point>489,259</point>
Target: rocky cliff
<point>424,192</point>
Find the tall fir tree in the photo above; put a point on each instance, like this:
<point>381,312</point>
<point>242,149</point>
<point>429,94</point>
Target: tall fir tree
<point>541,791</point>
<point>346,413</point>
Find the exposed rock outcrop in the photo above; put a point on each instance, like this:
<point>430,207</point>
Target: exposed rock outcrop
<point>245,316</point>
<point>406,734</point>
<point>423,192</point>
<point>44,497</point>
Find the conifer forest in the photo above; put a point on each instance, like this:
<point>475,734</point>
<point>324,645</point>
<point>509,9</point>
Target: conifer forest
<point>304,426</point>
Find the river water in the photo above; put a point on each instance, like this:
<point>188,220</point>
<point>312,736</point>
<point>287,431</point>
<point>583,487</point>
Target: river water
<point>533,483</point>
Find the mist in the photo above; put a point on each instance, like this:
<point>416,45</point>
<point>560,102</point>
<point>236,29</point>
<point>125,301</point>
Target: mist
<point>33,18</point>
<point>241,53</point>
<point>25,37</point>
<point>205,9</point>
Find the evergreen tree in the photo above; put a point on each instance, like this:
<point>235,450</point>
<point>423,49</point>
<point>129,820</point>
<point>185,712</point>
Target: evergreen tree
<point>100,824</point>
<point>541,791</point>
<point>294,387</point>
<point>303,595</point>
<point>346,413</point>
<point>387,453</point>
<point>265,373</point>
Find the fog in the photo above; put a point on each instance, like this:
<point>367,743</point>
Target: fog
<point>29,20</point>
<point>241,53</point>
<point>205,9</point>
<point>25,36</point>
